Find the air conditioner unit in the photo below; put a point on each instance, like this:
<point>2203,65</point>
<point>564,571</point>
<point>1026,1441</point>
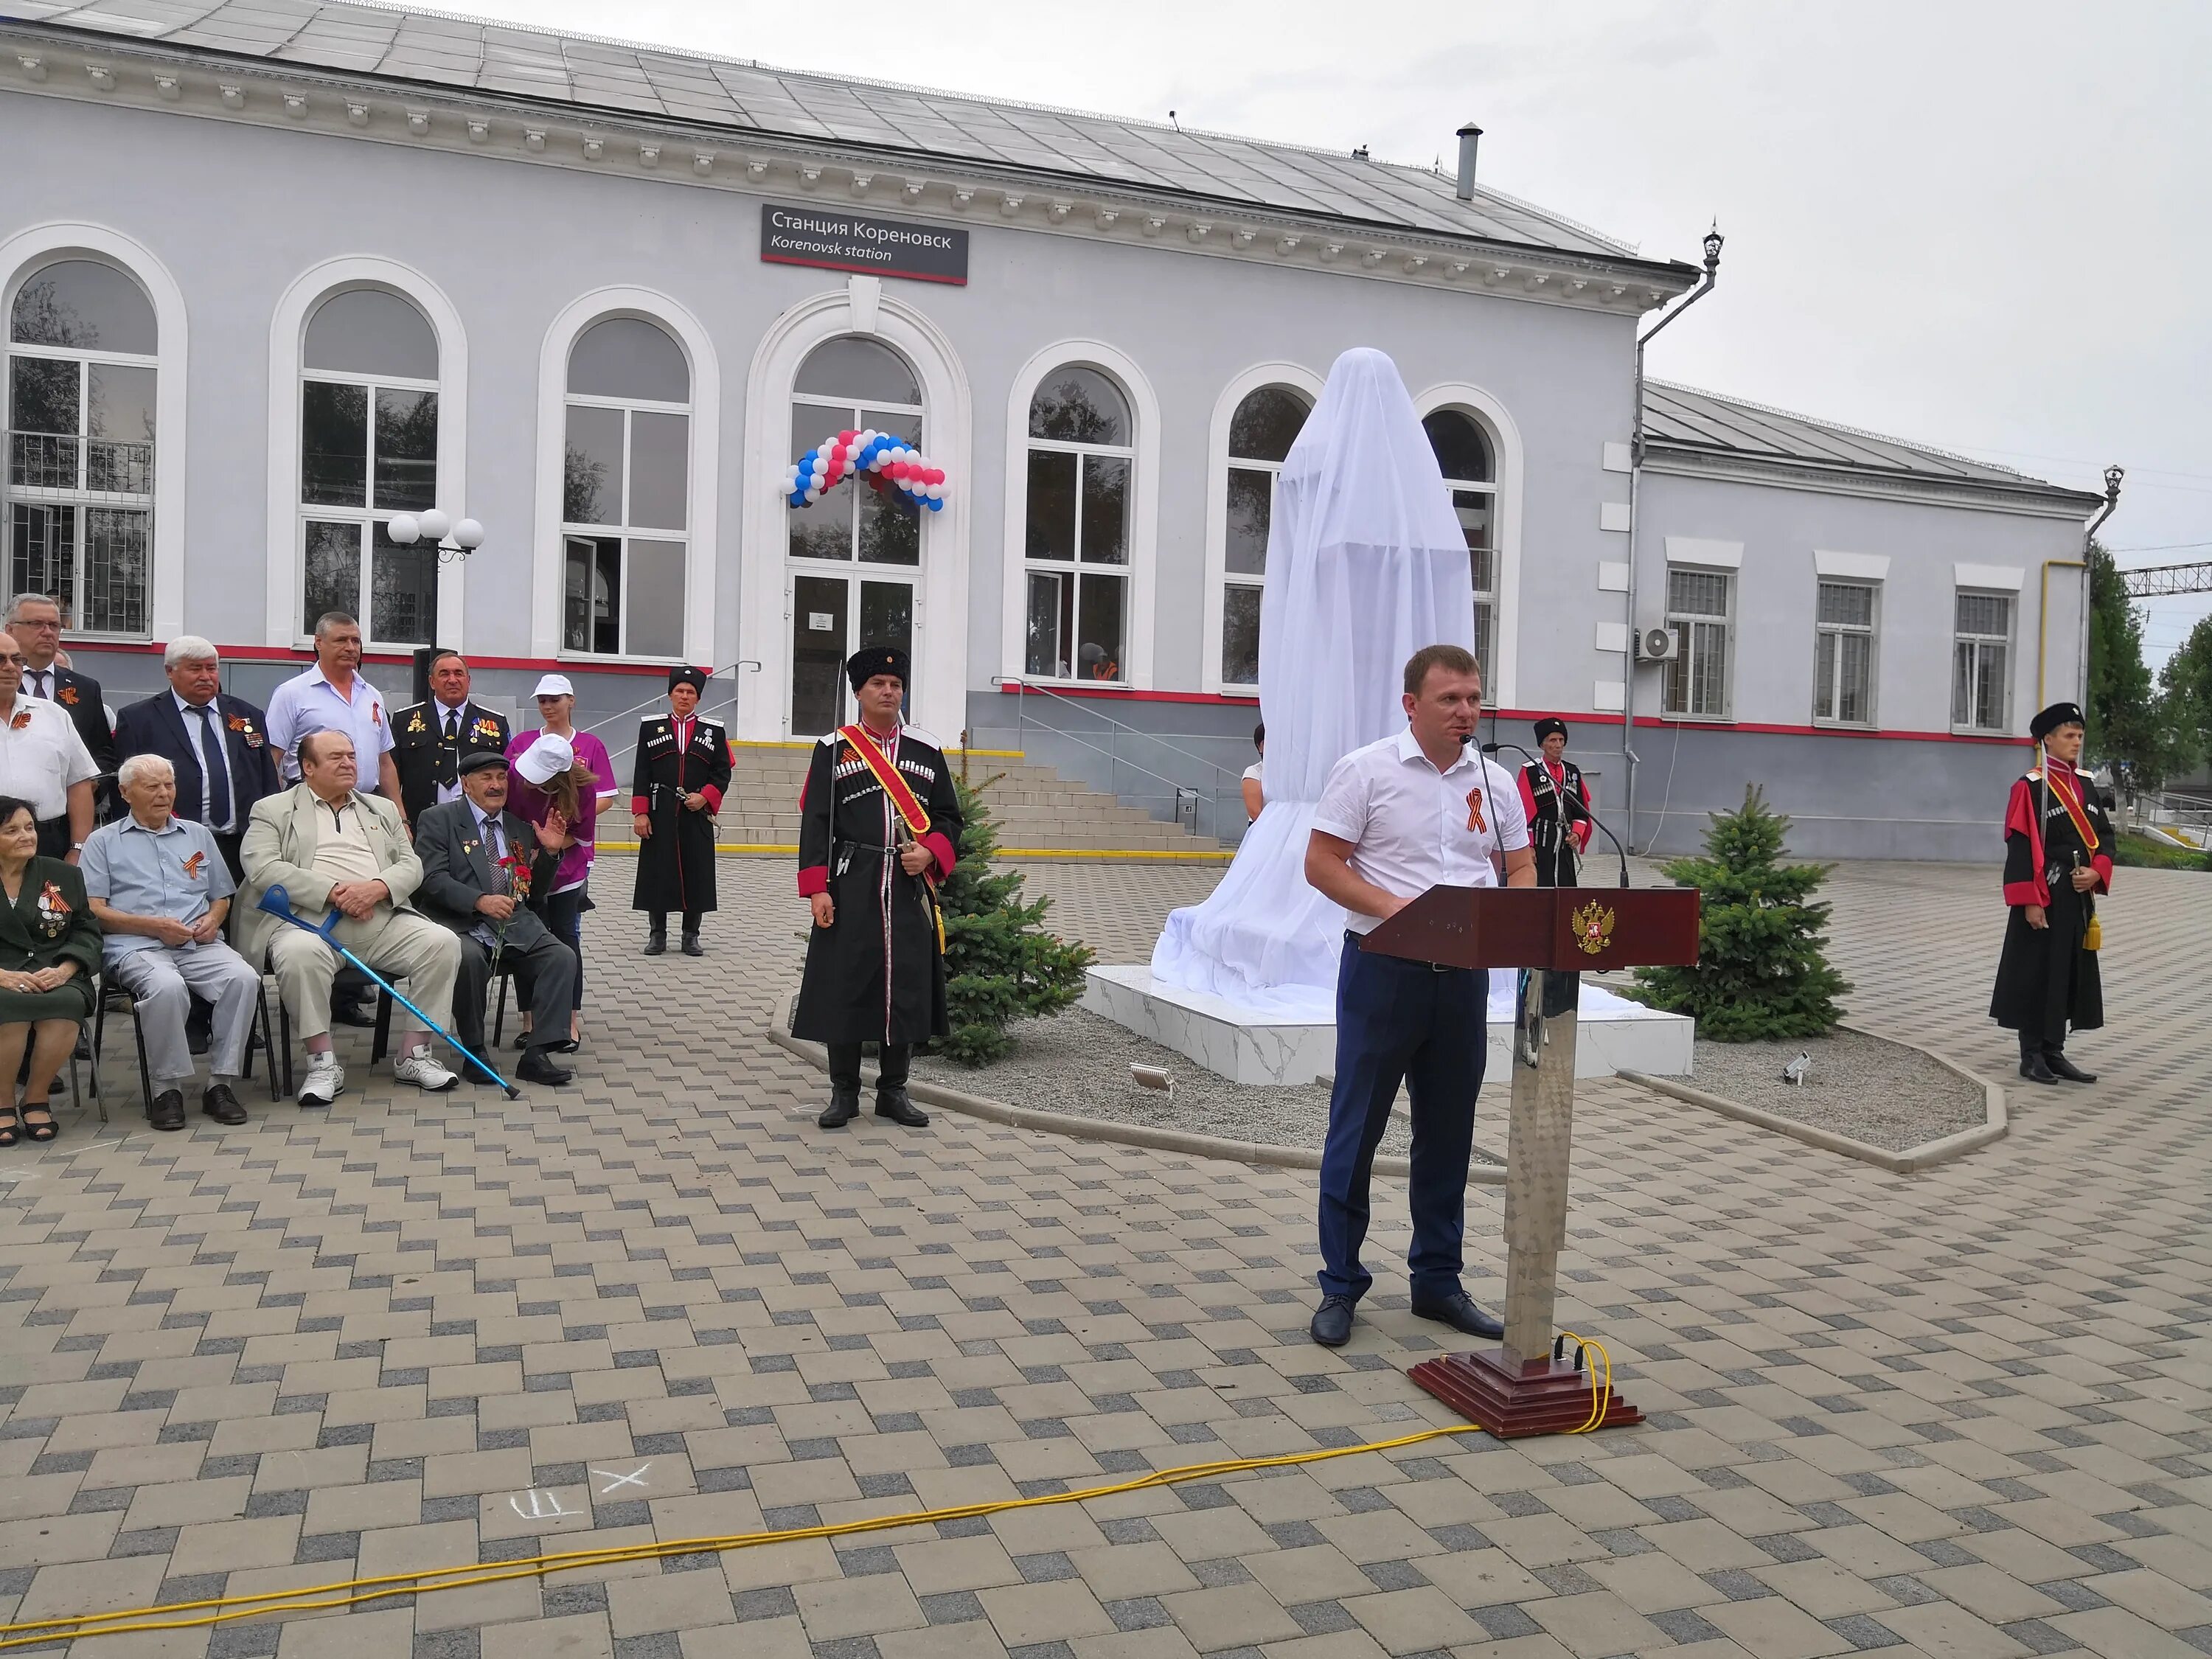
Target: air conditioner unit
<point>1658,644</point>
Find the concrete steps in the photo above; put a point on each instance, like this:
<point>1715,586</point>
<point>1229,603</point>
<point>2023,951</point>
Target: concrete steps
<point>1036,809</point>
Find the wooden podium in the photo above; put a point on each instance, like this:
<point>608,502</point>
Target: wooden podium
<point>1554,932</point>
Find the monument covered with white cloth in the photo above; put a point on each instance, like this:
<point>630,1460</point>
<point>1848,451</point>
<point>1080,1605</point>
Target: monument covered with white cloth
<point>1366,563</point>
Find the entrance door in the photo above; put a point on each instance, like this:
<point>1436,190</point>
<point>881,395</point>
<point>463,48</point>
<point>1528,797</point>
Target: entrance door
<point>831,618</point>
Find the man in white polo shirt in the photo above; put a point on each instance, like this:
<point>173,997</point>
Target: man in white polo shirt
<point>1396,818</point>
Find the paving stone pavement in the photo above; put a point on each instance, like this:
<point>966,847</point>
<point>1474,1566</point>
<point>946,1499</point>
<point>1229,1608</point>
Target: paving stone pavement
<point>1964,1414</point>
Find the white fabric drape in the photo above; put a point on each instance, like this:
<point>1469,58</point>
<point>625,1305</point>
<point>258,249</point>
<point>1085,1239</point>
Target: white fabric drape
<point>1366,564</point>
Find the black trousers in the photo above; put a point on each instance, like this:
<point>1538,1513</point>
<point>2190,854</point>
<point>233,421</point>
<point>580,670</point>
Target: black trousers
<point>545,970</point>
<point>54,838</point>
<point>690,921</point>
<point>895,1059</point>
<point>564,917</point>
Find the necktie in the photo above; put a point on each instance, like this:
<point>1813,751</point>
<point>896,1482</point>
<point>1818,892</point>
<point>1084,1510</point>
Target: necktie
<point>453,726</point>
<point>217,765</point>
<point>46,683</point>
<point>493,841</point>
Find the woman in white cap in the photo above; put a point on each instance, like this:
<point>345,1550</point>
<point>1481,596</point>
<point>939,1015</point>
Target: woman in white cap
<point>562,777</point>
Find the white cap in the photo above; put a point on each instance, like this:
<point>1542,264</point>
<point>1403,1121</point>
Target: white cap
<point>548,757</point>
<point>553,685</point>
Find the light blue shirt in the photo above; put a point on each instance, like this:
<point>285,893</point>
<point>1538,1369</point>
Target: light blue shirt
<point>310,704</point>
<point>175,871</point>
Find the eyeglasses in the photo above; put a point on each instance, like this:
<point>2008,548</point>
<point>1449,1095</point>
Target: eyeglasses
<point>18,660</point>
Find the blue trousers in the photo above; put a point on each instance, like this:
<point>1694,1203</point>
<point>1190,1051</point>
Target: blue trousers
<point>1399,1021</point>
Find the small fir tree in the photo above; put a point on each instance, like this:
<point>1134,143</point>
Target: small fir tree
<point>1001,964</point>
<point>1761,971</point>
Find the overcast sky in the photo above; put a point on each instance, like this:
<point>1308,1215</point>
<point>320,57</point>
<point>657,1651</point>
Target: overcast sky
<point>1977,225</point>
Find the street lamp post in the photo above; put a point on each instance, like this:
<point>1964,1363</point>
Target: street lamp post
<point>406,529</point>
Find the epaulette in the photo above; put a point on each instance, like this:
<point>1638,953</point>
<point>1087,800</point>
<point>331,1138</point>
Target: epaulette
<point>920,735</point>
<point>2034,777</point>
<point>709,720</point>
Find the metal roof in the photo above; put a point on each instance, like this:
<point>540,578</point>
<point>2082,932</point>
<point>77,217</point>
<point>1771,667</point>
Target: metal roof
<point>624,79</point>
<point>1683,418</point>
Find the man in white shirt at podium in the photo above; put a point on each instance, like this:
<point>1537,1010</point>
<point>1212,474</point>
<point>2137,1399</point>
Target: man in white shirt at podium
<point>1397,818</point>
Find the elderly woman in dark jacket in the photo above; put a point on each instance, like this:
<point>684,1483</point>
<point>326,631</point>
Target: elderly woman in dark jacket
<point>49,951</point>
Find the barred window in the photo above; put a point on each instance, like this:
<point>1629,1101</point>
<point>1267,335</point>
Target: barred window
<point>1699,607</point>
<point>1981,652</point>
<point>80,375</point>
<point>1843,664</point>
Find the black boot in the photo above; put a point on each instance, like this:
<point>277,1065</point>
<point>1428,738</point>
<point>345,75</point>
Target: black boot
<point>691,946</point>
<point>2061,1066</point>
<point>656,938</point>
<point>844,1086</point>
<point>2034,1067</point>
<point>892,1100</point>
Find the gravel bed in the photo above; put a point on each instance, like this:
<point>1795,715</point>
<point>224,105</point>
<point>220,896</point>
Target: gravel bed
<point>1078,1063</point>
<point>1881,1092</point>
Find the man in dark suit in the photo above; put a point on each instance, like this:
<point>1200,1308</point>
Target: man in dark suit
<point>471,850</point>
<point>218,744</point>
<point>431,739</point>
<point>35,620</point>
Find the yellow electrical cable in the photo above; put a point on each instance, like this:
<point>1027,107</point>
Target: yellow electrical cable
<point>1601,1394</point>
<point>69,1627</point>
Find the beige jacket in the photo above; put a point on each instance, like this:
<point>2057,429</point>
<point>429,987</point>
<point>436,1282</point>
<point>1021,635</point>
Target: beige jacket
<point>279,851</point>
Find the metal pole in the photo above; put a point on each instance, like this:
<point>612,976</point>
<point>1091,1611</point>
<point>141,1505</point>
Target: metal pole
<point>1629,758</point>
<point>1539,1137</point>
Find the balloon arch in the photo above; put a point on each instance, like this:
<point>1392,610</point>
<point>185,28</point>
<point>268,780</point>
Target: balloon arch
<point>889,463</point>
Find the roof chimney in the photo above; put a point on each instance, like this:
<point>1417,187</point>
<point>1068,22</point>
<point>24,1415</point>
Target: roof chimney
<point>1469,136</point>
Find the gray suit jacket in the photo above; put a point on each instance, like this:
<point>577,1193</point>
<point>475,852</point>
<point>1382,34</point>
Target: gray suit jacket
<point>456,868</point>
<point>279,851</point>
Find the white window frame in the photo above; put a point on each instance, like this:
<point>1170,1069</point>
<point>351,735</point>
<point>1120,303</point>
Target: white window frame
<point>1137,620</point>
<point>549,546</point>
<point>858,306</point>
<point>29,251</point>
<point>288,339</point>
<point>1870,631</point>
<point>367,516</point>
<point>1685,624</point>
<point>1979,643</point>
<point>1075,569</point>
<point>837,416</point>
<point>1500,677</point>
<point>626,532</point>
<point>1296,378</point>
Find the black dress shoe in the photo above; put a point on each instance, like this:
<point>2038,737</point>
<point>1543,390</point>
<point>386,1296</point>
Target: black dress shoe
<point>219,1103</point>
<point>536,1066</point>
<point>358,1015</point>
<point>477,1074</point>
<point>1458,1310</point>
<point>894,1104</point>
<point>2036,1069</point>
<point>1332,1321</point>
<point>844,1106</point>
<point>2066,1068</point>
<point>656,945</point>
<point>168,1111</point>
<point>691,946</point>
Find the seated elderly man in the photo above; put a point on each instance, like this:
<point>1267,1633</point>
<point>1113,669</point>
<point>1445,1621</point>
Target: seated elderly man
<point>333,848</point>
<point>160,889</point>
<point>472,849</point>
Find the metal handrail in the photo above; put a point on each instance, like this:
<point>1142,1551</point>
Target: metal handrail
<point>1023,688</point>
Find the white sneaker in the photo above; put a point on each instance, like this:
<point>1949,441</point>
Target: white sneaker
<point>325,1079</point>
<point>424,1073</point>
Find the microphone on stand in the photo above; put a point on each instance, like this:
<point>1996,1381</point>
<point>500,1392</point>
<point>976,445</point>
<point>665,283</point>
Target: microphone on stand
<point>1574,808</point>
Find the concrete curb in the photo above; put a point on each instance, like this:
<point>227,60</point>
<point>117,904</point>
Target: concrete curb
<point>1995,1120</point>
<point>1125,1134</point>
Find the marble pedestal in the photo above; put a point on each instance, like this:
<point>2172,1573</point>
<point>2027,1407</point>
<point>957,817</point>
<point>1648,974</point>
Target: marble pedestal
<point>1244,1046</point>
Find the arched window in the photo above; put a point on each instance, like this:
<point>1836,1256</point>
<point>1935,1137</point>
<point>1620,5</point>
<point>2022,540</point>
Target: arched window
<point>856,553</point>
<point>625,491</point>
<point>369,449</point>
<point>82,343</point>
<point>1075,542</point>
<point>1463,452</point>
<point>1266,423</point>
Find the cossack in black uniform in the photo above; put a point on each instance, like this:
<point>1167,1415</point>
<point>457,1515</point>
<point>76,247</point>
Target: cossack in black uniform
<point>875,973</point>
<point>1556,799</point>
<point>2048,980</point>
<point>682,756</point>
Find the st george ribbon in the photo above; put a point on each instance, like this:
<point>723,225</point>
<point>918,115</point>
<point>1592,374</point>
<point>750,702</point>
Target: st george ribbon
<point>1366,564</point>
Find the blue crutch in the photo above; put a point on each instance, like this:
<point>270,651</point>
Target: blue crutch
<point>278,903</point>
